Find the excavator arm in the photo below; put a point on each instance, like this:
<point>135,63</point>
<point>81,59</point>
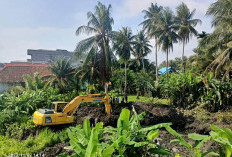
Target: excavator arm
<point>72,106</point>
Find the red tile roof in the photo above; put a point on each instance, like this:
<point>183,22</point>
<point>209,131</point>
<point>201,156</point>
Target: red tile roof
<point>13,72</point>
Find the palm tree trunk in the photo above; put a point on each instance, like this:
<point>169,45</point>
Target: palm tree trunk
<point>121,82</point>
<point>183,57</point>
<point>125,79</point>
<point>106,87</point>
<point>143,63</point>
<point>167,64</point>
<point>156,63</point>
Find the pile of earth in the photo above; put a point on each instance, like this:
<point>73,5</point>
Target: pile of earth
<point>56,150</point>
<point>154,114</point>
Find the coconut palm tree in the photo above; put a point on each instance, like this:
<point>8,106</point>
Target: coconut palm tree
<point>221,12</point>
<point>165,33</point>
<point>186,23</point>
<point>219,43</point>
<point>62,73</point>
<point>100,25</point>
<point>141,46</point>
<point>152,17</point>
<point>123,43</point>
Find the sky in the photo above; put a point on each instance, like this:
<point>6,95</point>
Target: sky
<point>51,24</point>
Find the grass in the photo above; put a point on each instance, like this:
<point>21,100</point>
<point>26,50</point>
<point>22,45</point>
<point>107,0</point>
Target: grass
<point>133,98</point>
<point>31,145</point>
<point>148,100</point>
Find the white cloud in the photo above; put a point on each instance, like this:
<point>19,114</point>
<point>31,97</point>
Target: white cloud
<point>14,42</point>
<point>132,8</point>
<point>177,51</point>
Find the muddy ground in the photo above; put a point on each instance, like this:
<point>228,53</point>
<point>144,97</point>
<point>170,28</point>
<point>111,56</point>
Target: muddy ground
<point>154,114</point>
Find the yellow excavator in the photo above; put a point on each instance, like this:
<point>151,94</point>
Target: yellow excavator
<point>62,112</point>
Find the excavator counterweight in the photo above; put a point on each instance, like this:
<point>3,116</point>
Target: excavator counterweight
<point>62,112</point>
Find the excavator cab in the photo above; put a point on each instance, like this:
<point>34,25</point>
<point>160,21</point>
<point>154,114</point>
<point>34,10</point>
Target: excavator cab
<point>58,106</point>
<point>53,116</point>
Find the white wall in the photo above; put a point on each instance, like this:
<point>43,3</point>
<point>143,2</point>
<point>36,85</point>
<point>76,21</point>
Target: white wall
<point>4,86</point>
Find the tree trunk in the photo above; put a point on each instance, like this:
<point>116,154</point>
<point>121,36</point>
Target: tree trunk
<point>125,80</point>
<point>167,64</point>
<point>156,63</point>
<point>143,63</point>
<point>106,87</point>
<point>121,82</point>
<point>183,58</point>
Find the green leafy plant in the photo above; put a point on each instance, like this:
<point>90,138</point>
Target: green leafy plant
<point>35,144</point>
<point>132,139</point>
<point>184,90</point>
<point>86,141</point>
<point>128,139</point>
<point>224,138</point>
<point>194,150</point>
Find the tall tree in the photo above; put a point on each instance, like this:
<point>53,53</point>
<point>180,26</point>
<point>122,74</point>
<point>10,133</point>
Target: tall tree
<point>100,25</point>
<point>219,43</point>
<point>123,47</point>
<point>152,17</point>
<point>186,23</point>
<point>141,46</point>
<point>165,32</point>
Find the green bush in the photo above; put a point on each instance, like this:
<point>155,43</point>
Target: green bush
<point>46,138</point>
<point>218,94</point>
<point>136,82</point>
<point>184,90</point>
<point>189,90</point>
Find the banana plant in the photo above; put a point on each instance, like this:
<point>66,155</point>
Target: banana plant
<point>130,138</point>
<point>86,143</point>
<point>224,138</point>
<point>194,150</point>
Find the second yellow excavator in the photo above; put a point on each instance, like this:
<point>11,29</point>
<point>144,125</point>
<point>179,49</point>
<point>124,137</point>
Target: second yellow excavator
<point>62,112</point>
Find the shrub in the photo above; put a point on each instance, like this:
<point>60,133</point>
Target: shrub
<point>46,138</point>
<point>189,90</point>
<point>184,90</point>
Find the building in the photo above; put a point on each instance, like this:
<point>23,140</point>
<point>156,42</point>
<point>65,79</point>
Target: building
<point>44,56</point>
<point>11,74</point>
<point>163,70</point>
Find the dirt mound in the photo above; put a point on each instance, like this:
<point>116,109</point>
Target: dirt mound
<point>154,114</point>
<point>56,150</point>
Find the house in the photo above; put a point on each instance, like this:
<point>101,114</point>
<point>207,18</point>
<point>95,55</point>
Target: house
<point>11,74</point>
<point>163,70</point>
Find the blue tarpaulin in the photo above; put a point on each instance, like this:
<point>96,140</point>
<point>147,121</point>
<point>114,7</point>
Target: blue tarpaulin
<point>163,70</point>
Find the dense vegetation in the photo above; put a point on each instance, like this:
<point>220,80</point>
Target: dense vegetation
<point>115,62</point>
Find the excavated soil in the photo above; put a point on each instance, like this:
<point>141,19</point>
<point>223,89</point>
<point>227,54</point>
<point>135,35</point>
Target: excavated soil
<point>56,150</point>
<point>154,114</point>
